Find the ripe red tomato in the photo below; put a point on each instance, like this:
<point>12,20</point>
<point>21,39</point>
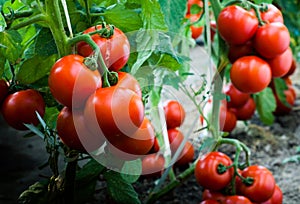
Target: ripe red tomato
<point>71,82</point>
<point>281,108</point>
<point>206,171</point>
<point>237,51</point>
<point>126,80</point>
<point>213,195</point>
<point>196,30</point>
<point>153,165</point>
<point>276,198</point>
<point>273,14</point>
<point>20,107</point>
<point>292,68</point>
<point>281,64</point>
<point>246,111</point>
<point>271,39</point>
<point>237,98</point>
<point>174,114</point>
<point>187,154</point>
<point>227,119</point>
<point>209,202</point>
<point>139,143</point>
<point>115,50</point>
<point>213,28</point>
<point>236,199</point>
<point>72,131</point>
<point>155,148</point>
<point>175,139</point>
<point>262,187</point>
<point>250,74</point>
<point>236,25</point>
<point>190,3</point>
<point>3,90</point>
<point>114,112</point>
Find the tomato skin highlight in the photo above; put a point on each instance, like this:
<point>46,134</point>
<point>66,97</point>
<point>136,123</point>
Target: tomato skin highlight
<point>271,39</point>
<point>71,82</point>
<point>206,172</point>
<point>72,131</point>
<point>281,64</point>
<point>262,187</point>
<point>250,74</point>
<point>115,50</point>
<point>21,106</point>
<point>236,25</point>
<point>114,112</point>
<point>174,113</point>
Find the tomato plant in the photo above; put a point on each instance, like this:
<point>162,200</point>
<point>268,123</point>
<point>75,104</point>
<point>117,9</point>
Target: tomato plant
<point>196,29</point>
<point>21,107</point>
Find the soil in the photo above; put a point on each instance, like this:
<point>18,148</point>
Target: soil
<point>271,146</point>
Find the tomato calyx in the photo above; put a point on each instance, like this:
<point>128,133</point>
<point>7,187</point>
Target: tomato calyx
<point>248,181</point>
<point>106,31</point>
<point>222,168</point>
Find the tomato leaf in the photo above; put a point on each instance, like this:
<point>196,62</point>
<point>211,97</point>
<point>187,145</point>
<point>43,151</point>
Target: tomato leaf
<point>10,45</point>
<point>131,170</point>
<point>265,105</point>
<point>263,1</point>
<point>36,193</point>
<point>50,116</point>
<point>280,87</point>
<point>119,189</point>
<point>89,171</point>
<point>45,44</point>
<point>2,23</point>
<point>35,68</point>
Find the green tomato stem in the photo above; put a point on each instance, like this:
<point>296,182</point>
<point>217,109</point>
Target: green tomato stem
<point>29,21</point>
<point>69,187</point>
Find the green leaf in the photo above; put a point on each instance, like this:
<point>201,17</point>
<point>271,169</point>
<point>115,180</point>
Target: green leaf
<point>2,23</point>
<point>152,15</point>
<point>35,194</point>
<point>125,19</point>
<point>131,170</point>
<point>120,190</point>
<point>265,105</point>
<point>45,44</point>
<point>280,87</point>
<point>50,117</point>
<point>10,45</point>
<point>263,1</point>
<point>89,171</point>
<point>174,12</point>
<point>35,68</point>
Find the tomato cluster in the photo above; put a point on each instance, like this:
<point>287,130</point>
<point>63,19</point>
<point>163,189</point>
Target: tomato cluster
<point>195,27</point>
<point>254,184</point>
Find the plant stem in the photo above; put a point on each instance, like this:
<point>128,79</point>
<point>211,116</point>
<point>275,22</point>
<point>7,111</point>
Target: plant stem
<point>32,20</point>
<point>70,175</point>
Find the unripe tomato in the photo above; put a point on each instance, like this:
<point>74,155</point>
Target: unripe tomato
<point>262,187</point>
<point>207,174</point>
<point>71,82</point>
<point>196,30</point>
<point>236,25</point>
<point>174,114</point>
<point>227,119</point>
<point>250,74</point>
<point>281,64</point>
<point>3,90</point>
<point>273,14</point>
<point>21,107</point>
<point>115,50</point>
<point>276,198</point>
<point>246,111</point>
<point>175,139</point>
<point>72,131</point>
<point>236,199</point>
<point>187,154</point>
<point>126,80</point>
<point>237,98</point>
<point>114,112</point>
<point>271,39</point>
<point>153,165</point>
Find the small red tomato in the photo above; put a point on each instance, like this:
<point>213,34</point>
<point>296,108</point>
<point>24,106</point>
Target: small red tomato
<point>236,199</point>
<point>273,14</point>
<point>276,198</point>
<point>3,90</point>
<point>187,154</point>
<point>213,29</point>
<point>227,119</point>
<point>281,108</point>
<point>190,3</point>
<point>236,25</point>
<point>213,195</point>
<point>153,165</point>
<point>237,98</point>
<point>292,69</point>
<point>155,148</point>
<point>250,74</point>
<point>207,171</point>
<point>263,185</point>
<point>281,64</point>
<point>196,30</point>
<point>271,39</point>
<point>175,138</point>
<point>174,114</point>
<point>246,111</point>
<point>21,107</point>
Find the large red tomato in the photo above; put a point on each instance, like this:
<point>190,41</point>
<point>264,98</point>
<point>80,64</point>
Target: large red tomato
<point>281,64</point>
<point>153,165</point>
<point>72,131</point>
<point>273,14</point>
<point>174,114</point>
<point>207,174</point>
<point>250,74</point>
<point>126,80</point>
<point>271,39</point>
<point>237,98</point>
<point>115,50</point>
<point>21,107</point>
<point>262,187</point>
<point>3,90</point>
<point>276,198</point>
<point>246,111</point>
<point>71,82</point>
<point>114,112</point>
<point>236,25</point>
